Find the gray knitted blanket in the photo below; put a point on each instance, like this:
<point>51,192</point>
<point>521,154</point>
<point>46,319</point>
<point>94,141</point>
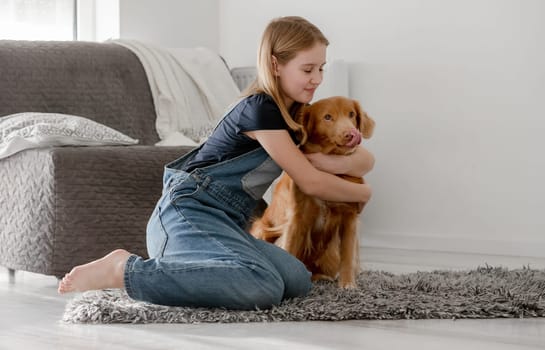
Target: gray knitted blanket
<point>485,292</point>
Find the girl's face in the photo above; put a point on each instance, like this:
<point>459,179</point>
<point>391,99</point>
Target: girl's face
<point>300,76</point>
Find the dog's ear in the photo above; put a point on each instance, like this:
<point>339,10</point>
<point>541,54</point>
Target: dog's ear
<point>366,125</point>
<point>303,117</point>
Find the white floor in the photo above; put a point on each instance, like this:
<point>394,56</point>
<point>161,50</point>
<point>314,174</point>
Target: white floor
<point>31,312</point>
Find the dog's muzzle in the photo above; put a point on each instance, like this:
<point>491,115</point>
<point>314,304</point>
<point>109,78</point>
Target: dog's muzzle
<point>354,138</point>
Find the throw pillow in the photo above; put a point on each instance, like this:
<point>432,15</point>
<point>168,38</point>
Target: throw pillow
<point>35,129</point>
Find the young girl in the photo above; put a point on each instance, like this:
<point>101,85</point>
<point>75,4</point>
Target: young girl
<point>200,253</point>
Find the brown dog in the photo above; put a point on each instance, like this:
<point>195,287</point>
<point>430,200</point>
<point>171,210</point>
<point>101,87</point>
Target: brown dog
<point>323,235</point>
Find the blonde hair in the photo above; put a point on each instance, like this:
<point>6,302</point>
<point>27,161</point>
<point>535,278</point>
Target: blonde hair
<point>283,38</point>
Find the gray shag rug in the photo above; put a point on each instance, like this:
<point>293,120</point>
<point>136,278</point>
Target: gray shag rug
<point>486,292</point>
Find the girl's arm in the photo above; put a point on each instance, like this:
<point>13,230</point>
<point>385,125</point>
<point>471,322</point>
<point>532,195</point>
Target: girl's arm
<point>356,164</point>
<point>309,179</point>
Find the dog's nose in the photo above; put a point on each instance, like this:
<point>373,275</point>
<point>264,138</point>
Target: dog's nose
<point>352,137</point>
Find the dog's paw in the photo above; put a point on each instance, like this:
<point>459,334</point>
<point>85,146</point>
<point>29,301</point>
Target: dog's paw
<point>347,284</point>
<point>320,276</point>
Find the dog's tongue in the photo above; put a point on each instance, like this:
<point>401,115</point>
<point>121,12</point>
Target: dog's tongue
<point>355,140</point>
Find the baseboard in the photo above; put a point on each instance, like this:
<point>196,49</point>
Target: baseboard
<point>534,249</point>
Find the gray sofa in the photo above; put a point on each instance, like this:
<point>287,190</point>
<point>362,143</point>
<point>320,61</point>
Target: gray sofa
<point>64,206</point>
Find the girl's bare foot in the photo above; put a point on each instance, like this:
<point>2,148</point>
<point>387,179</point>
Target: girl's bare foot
<point>106,272</point>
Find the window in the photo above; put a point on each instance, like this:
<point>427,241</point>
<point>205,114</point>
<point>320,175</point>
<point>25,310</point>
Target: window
<point>38,19</point>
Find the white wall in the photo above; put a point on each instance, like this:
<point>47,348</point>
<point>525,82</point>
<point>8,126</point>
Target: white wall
<point>457,91</point>
<point>171,23</point>
<point>97,20</point>
<point>107,24</point>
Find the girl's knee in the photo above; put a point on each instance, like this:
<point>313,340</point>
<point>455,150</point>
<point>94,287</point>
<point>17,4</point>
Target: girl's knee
<point>271,291</point>
<point>299,284</point>
<point>261,289</point>
<point>275,289</point>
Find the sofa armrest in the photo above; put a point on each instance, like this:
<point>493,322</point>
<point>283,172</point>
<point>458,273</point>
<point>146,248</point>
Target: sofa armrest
<point>64,206</point>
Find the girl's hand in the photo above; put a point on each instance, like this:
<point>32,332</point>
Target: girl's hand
<point>332,164</point>
<point>360,206</point>
<point>356,164</point>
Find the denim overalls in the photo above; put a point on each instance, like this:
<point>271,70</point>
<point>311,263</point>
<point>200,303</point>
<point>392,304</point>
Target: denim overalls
<point>200,253</point>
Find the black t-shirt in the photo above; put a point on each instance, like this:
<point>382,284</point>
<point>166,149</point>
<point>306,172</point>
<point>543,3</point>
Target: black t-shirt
<point>255,112</point>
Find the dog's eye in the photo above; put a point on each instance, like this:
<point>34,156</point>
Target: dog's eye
<point>328,117</point>
<point>352,114</point>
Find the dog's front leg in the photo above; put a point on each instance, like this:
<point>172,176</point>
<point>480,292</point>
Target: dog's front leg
<point>348,268</point>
